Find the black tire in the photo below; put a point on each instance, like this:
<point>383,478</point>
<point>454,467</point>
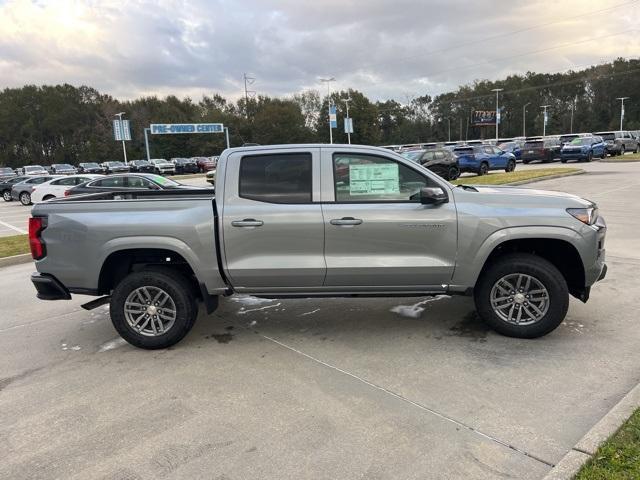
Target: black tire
<point>604,155</point>
<point>511,166</point>
<point>590,157</point>
<point>453,173</point>
<point>6,196</point>
<point>539,268</point>
<point>25,198</point>
<point>622,150</point>
<point>178,289</point>
<point>483,169</point>
<point>563,160</point>
<point>526,162</point>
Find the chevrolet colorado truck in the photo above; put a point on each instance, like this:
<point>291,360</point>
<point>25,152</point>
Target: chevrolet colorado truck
<point>318,221</point>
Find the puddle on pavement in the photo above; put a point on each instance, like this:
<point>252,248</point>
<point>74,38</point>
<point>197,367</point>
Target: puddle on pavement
<point>471,326</point>
<point>221,337</point>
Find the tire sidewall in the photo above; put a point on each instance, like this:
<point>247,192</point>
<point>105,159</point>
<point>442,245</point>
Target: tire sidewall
<point>178,289</point>
<point>537,267</point>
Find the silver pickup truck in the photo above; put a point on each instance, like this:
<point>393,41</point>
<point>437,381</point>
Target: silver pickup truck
<point>318,221</point>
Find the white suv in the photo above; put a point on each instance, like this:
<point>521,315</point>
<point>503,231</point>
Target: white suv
<point>162,166</point>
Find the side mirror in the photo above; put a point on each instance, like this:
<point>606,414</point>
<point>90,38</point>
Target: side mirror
<point>433,196</point>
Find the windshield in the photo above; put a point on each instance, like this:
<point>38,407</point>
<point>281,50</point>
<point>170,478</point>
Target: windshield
<point>535,144</point>
<point>33,169</point>
<point>413,156</point>
<point>90,165</point>
<point>608,136</point>
<point>580,141</point>
<point>507,145</point>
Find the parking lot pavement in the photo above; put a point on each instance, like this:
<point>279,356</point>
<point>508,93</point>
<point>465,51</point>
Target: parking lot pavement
<point>331,388</point>
<point>13,218</point>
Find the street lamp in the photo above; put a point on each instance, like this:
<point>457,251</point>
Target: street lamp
<point>328,82</point>
<point>524,119</point>
<point>622,99</point>
<point>497,90</point>
<point>544,120</point>
<point>121,126</point>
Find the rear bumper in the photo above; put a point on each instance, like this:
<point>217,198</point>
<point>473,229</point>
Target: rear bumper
<point>49,287</point>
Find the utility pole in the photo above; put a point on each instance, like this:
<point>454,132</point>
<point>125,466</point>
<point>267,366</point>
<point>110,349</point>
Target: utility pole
<point>497,90</point>
<point>524,119</point>
<point>346,103</point>
<point>247,81</point>
<point>544,120</point>
<point>328,82</point>
<point>460,134</point>
<point>124,149</point>
<point>146,143</point>
<point>466,137</point>
<point>622,99</point>
<point>449,128</point>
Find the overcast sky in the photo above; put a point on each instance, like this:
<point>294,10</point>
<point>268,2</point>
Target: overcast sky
<point>387,49</point>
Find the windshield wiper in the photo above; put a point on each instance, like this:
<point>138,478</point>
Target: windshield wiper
<point>467,187</point>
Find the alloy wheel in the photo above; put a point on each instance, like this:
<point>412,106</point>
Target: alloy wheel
<point>150,311</point>
<point>519,299</point>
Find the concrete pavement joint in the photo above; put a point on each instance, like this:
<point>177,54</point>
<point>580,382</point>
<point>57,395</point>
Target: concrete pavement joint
<point>588,445</point>
<point>410,402</point>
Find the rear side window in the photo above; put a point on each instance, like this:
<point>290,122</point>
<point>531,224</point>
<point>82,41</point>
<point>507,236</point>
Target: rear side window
<point>114,182</point>
<point>279,178</point>
<point>65,181</point>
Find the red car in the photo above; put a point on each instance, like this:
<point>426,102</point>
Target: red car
<point>206,163</point>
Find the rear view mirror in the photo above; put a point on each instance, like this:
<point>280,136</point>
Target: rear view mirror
<point>433,196</point>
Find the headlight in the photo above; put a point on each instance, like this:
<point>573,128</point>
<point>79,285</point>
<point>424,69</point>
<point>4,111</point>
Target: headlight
<point>585,215</point>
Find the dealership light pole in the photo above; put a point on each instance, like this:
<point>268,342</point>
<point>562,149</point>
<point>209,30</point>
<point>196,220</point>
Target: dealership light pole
<point>544,120</point>
<point>124,149</point>
<point>524,119</point>
<point>497,90</point>
<point>328,82</point>
<point>622,99</point>
<point>449,129</point>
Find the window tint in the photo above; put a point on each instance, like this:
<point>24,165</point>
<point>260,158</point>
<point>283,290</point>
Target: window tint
<point>139,182</point>
<point>368,178</point>
<point>282,178</point>
<point>439,155</point>
<point>114,182</point>
<point>64,181</point>
<point>428,156</point>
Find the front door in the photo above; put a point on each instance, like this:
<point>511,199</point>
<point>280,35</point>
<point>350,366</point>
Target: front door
<point>377,233</point>
<point>273,231</point>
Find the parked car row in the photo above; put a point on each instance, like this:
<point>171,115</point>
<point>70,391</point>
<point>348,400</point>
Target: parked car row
<point>175,166</point>
<point>34,189</point>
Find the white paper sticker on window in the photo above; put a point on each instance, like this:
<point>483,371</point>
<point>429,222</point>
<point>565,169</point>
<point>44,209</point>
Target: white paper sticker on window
<point>374,179</point>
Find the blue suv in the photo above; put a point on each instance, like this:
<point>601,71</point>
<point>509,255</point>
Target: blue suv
<point>583,149</point>
<point>482,158</point>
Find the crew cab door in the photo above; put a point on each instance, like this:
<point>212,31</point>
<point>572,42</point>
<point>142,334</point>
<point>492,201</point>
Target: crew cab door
<point>377,233</point>
<point>272,225</point>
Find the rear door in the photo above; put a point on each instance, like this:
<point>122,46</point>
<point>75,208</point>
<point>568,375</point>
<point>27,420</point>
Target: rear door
<point>377,233</point>
<point>272,224</point>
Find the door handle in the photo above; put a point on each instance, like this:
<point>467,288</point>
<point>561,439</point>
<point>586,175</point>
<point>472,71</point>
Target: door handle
<point>247,222</point>
<point>346,221</point>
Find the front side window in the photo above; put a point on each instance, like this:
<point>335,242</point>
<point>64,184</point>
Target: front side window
<point>112,182</point>
<point>137,182</point>
<point>369,178</point>
<point>278,178</point>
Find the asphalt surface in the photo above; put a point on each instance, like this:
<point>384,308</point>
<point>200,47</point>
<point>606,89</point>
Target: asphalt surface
<point>320,389</point>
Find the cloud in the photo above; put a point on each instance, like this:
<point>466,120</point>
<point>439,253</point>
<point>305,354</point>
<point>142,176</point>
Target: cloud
<point>386,49</point>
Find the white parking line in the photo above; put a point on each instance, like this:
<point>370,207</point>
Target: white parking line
<point>19,230</point>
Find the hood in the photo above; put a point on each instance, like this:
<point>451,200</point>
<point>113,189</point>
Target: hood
<point>523,196</point>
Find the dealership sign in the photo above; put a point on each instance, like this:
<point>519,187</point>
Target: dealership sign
<point>484,117</point>
<point>173,128</point>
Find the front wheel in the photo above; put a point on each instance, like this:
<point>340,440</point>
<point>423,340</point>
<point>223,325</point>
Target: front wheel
<point>154,308</point>
<point>6,196</point>
<point>622,150</point>
<point>25,198</point>
<point>589,156</point>
<point>522,295</point>
<point>511,166</point>
<point>452,174</point>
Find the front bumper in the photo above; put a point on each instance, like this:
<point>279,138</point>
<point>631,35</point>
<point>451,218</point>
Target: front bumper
<point>49,287</point>
<point>574,155</point>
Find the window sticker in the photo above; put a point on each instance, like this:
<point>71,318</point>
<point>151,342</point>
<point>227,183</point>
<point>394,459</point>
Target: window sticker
<point>374,179</point>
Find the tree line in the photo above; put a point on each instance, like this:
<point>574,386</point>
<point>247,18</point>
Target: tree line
<point>66,124</point>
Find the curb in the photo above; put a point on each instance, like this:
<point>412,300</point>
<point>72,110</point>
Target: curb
<point>620,161</point>
<point>587,446</point>
<point>547,177</point>
<point>15,260</point>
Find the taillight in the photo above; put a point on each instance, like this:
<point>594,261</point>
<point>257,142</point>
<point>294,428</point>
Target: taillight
<point>66,193</point>
<point>36,226</point>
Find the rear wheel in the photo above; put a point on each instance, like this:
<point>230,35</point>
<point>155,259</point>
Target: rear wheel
<point>526,162</point>
<point>153,309</point>
<point>522,295</point>
<point>25,198</point>
<point>511,166</point>
<point>483,169</point>
<point>6,195</point>
<point>622,150</point>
